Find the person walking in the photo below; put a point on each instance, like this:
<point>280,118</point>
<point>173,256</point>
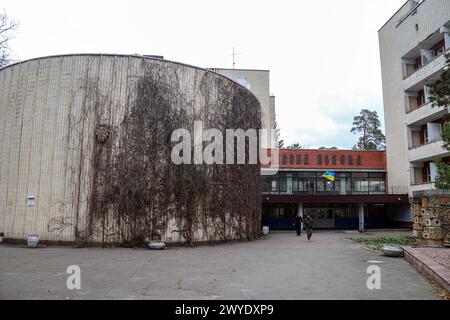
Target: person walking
<point>298,220</point>
<point>308,226</point>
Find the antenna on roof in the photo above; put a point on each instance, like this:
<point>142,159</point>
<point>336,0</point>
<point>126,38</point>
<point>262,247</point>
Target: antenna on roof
<point>235,54</point>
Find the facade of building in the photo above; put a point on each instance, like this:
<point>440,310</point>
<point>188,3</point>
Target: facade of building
<point>258,82</point>
<point>85,152</point>
<point>413,45</point>
<point>360,196</point>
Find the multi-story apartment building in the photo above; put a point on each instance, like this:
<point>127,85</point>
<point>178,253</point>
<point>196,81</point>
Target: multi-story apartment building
<point>413,44</point>
<point>258,82</point>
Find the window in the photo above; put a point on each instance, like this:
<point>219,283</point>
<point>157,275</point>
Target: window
<point>324,186</point>
<point>377,186</point>
<point>350,160</point>
<point>426,173</point>
<point>439,48</point>
<point>321,214</point>
<point>329,213</point>
<point>291,159</point>
<point>289,212</point>
<point>421,98</point>
<point>359,161</point>
<point>333,160</point>
<point>306,160</point>
<point>274,186</point>
<point>342,186</point>
<point>418,63</point>
<point>269,212</point>
<point>303,186</point>
<point>282,184</point>
<point>360,183</point>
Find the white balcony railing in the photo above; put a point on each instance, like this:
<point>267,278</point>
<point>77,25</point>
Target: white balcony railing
<point>424,114</point>
<point>425,71</point>
<point>428,151</point>
<point>422,187</point>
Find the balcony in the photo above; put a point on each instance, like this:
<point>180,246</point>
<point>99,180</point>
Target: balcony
<point>427,152</point>
<point>427,70</point>
<point>422,187</point>
<point>424,114</point>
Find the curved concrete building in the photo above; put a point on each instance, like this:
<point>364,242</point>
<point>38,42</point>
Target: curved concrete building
<point>85,152</point>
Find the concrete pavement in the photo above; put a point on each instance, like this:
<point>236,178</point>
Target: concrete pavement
<point>281,266</point>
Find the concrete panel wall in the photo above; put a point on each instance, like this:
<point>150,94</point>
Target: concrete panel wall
<point>47,127</point>
<point>429,16</point>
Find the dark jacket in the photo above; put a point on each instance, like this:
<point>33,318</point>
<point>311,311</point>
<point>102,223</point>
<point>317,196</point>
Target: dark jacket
<point>298,221</point>
<point>308,222</point>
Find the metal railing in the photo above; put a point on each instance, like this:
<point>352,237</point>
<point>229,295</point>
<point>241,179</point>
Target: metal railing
<point>391,190</point>
<point>397,190</point>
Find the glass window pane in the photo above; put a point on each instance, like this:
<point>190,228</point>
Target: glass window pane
<point>283,184</point>
<point>376,175</point>
<point>377,186</point>
<point>342,174</point>
<point>360,175</point>
<point>360,186</point>
<point>342,186</point>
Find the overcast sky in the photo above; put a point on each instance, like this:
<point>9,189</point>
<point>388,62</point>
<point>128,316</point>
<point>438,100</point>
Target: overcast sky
<point>323,55</point>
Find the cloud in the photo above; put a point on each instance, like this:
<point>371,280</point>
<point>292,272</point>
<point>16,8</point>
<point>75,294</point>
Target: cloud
<point>323,56</point>
<point>328,120</point>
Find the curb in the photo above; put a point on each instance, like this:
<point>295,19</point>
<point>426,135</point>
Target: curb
<point>430,269</point>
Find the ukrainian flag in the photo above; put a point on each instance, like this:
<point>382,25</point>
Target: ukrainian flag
<point>330,176</point>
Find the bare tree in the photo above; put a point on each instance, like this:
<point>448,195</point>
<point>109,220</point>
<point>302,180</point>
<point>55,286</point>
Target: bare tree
<point>7,28</point>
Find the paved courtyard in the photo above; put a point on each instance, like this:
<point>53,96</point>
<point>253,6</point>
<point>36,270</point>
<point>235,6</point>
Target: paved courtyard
<point>281,266</point>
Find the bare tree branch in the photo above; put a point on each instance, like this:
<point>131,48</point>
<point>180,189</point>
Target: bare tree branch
<point>7,28</point>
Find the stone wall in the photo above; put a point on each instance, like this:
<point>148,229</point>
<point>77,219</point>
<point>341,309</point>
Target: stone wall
<point>431,219</point>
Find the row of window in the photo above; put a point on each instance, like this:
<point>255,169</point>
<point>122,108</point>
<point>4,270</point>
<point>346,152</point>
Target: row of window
<point>312,183</point>
<point>289,212</point>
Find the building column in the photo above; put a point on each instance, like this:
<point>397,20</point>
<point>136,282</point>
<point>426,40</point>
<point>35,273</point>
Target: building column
<point>300,212</point>
<point>446,32</point>
<point>406,63</point>
<point>410,106</point>
<point>361,217</point>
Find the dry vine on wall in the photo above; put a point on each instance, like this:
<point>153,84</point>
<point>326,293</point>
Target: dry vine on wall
<point>138,194</point>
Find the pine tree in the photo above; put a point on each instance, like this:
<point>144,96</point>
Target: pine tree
<point>367,125</point>
<point>279,141</point>
<point>295,146</point>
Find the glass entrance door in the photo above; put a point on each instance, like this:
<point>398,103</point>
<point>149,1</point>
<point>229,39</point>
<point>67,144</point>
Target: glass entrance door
<point>323,217</point>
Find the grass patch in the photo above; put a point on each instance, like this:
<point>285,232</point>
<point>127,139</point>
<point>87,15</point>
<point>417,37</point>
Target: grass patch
<point>377,243</point>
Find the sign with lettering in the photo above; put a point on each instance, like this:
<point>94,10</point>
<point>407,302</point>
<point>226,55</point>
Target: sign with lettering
<point>336,159</point>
